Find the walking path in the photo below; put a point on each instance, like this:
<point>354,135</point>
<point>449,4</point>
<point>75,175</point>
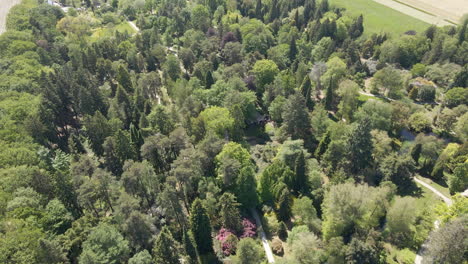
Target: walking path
<point>266,246</point>
<point>448,201</point>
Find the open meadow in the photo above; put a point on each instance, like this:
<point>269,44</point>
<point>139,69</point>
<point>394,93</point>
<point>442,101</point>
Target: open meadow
<point>380,18</point>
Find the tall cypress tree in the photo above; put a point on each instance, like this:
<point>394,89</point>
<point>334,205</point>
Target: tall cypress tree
<point>284,205</point>
<point>292,49</point>
<point>165,248</point>
<point>360,147</point>
<point>329,95</point>
<point>300,184</point>
<point>323,145</point>
<point>416,152</point>
<point>306,89</point>
<point>209,80</point>
<point>201,228</point>
<point>258,10</point>
<point>123,77</point>
<point>189,247</point>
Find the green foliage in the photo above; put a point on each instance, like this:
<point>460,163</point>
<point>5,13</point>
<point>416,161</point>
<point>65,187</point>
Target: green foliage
<point>201,228</point>
<point>165,248</point>
<point>360,208</point>
<point>105,244</point>
<point>248,251</point>
<point>265,72</point>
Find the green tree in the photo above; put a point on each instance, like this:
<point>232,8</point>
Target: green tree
<point>201,227</point>
<point>265,72</point>
<point>349,92</point>
<point>360,147</point>
<point>284,206</point>
<point>388,82</point>
<point>124,79</point>
<point>456,96</point>
<point>296,121</point>
<point>142,257</point>
<point>305,214</point>
<point>458,181</point>
<point>229,212</point>
<point>246,190</point>
<point>201,18</point>
<point>446,245</point>
<point>189,247</point>
<point>399,169</point>
<point>248,252</point>
<point>105,245</point>
<point>165,249</point>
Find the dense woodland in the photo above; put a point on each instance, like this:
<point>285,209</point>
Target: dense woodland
<point>155,146</point>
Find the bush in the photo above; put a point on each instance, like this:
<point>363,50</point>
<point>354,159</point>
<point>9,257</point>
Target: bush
<point>419,122</point>
<point>456,96</point>
<point>418,70</point>
<point>277,247</point>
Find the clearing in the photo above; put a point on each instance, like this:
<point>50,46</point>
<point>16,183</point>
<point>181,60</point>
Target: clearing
<point>379,18</point>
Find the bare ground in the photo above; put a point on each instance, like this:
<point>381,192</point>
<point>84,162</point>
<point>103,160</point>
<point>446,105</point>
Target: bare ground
<point>5,6</point>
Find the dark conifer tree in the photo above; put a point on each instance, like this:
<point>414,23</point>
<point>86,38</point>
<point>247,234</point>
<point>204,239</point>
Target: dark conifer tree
<point>300,184</point>
<point>284,205</point>
<point>360,147</point>
<point>201,228</point>
<point>165,248</point>
<point>323,145</point>
<point>190,247</point>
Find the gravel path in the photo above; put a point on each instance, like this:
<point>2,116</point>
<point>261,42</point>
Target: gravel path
<point>266,246</point>
<point>436,20</point>
<point>5,6</point>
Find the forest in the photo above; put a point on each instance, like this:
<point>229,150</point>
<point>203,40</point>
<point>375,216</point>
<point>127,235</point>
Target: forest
<point>221,131</point>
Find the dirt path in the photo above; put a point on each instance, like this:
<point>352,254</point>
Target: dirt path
<point>266,246</point>
<point>408,10</point>
<point>5,6</point>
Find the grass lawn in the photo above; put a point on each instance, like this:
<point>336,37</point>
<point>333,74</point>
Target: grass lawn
<point>379,18</point>
<point>109,31</point>
<point>444,190</point>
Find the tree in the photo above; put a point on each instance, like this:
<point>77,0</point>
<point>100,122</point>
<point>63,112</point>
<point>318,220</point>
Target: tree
<point>446,245</point>
<point>229,161</point>
<point>458,181</point>
<point>124,79</point>
<point>276,109</point>
<point>201,18</point>
<point>138,229</point>
<point>248,252</point>
<point>165,249</point>
<point>296,121</point>
<point>246,190</point>
<point>456,96</point>
<point>140,180</point>
<point>105,245</point>
<point>367,250</point>
<point>306,248</point>
<point>348,208</point>
<point>360,147</point>
<point>201,227</point>
<point>399,169</point>
<point>142,257</point>
<point>300,183</point>
<point>229,212</point>
<point>379,114</point>
<point>284,205</point>
<point>419,122</point>
<point>304,213</point>
<point>189,247</point>
<point>348,91</point>
<point>265,72</point>
<point>218,120</point>
<point>171,67</point>
<point>401,219</point>
<point>388,82</point>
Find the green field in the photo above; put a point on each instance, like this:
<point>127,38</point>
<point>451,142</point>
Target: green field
<point>379,18</point>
